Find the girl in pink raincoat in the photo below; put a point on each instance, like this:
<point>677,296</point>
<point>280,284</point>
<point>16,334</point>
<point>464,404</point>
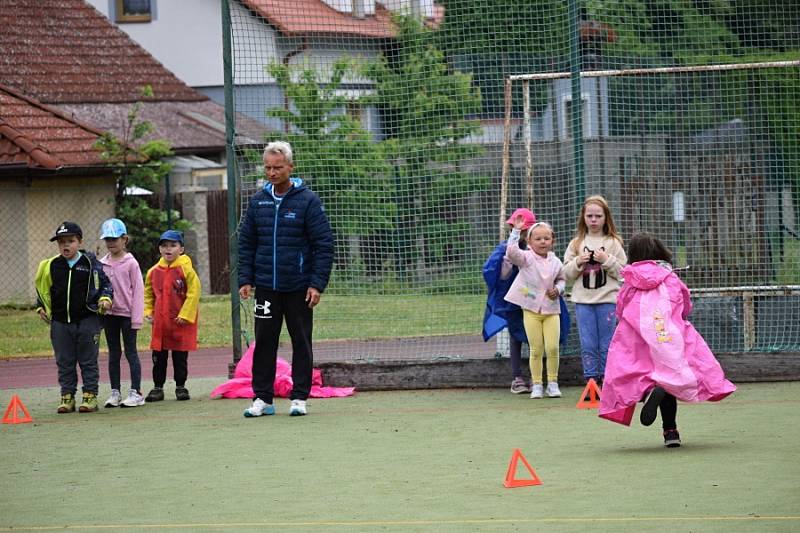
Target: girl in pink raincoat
<point>655,351</point>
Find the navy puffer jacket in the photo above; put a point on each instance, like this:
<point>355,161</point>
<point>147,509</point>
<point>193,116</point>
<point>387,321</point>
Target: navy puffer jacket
<point>288,249</point>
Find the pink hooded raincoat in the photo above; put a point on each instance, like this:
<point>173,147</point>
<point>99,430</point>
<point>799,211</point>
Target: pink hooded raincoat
<point>654,344</point>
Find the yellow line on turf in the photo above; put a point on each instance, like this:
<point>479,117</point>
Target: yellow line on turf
<point>411,522</point>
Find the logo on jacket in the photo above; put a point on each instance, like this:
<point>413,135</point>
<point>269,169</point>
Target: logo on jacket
<point>261,310</point>
<point>179,286</point>
<point>290,214</point>
<point>662,335</point>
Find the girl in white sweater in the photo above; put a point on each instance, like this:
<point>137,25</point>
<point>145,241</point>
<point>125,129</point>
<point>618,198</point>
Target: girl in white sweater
<point>594,259</point>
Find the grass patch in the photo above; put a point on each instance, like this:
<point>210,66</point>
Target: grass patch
<point>410,461</point>
<point>789,268</point>
<point>337,317</point>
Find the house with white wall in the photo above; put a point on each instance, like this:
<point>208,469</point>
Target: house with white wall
<point>183,35</point>
<point>186,37</point>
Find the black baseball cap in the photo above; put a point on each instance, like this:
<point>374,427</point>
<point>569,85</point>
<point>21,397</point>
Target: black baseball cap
<point>67,228</point>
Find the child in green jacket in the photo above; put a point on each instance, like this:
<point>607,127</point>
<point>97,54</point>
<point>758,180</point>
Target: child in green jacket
<point>72,290</point>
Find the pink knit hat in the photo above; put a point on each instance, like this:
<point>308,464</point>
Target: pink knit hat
<point>527,216</point>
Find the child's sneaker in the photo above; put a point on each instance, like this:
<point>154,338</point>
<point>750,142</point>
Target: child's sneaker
<point>155,395</point>
<point>259,408</point>
<point>298,408</point>
<point>182,394</point>
<point>134,399</point>
<point>672,439</point>
<point>114,399</point>
<point>67,404</point>
<point>553,390</point>
<point>519,385</point>
<point>537,391</point>
<point>89,403</point>
<point>650,407</point>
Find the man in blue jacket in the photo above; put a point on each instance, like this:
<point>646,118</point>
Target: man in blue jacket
<point>286,254</point>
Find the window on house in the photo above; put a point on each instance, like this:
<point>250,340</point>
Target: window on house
<point>355,111</point>
<point>134,10</point>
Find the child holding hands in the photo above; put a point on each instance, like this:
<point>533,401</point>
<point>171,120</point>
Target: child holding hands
<point>596,256</point>
<point>171,301</point>
<point>536,289</point>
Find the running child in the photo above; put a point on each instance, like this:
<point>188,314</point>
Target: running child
<point>594,258</point>
<point>656,354</point>
<point>536,289</point>
<point>171,301</point>
<point>71,291</point>
<point>126,315</point>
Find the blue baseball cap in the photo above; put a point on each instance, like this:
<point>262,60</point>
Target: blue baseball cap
<point>171,235</point>
<point>112,228</point>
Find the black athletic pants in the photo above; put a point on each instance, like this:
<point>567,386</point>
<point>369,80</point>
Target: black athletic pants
<point>669,409</point>
<point>271,309</point>
<point>180,367</point>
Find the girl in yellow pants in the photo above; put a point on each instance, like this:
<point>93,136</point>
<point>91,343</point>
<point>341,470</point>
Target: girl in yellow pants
<point>536,290</point>
<point>542,332</point>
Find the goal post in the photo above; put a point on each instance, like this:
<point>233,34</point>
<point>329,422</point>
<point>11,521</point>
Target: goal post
<point>422,124</point>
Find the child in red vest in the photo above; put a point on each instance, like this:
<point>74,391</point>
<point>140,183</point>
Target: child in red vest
<point>171,301</point>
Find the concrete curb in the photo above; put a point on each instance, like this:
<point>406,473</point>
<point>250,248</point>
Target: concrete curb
<point>495,373</point>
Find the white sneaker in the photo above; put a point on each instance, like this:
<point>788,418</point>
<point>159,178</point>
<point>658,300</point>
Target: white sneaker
<point>298,408</point>
<point>552,390</point>
<point>134,399</point>
<point>113,400</point>
<point>537,391</point>
<point>259,408</point>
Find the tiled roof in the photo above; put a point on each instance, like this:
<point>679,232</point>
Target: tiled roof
<point>65,51</point>
<point>37,136</point>
<point>306,17</point>
<point>189,126</point>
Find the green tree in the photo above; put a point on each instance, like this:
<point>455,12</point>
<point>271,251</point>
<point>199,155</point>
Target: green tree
<point>764,25</point>
<point>493,39</point>
<point>342,162</point>
<point>425,109</point>
<point>139,163</point>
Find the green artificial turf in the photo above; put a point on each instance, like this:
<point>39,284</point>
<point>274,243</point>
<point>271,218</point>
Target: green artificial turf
<point>400,461</point>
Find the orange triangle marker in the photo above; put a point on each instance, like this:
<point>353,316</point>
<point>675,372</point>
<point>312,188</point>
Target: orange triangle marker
<point>593,392</point>
<point>14,411</point>
<point>511,480</point>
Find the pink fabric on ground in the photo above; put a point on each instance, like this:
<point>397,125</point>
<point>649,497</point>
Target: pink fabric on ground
<point>241,386</point>
<point>655,344</point>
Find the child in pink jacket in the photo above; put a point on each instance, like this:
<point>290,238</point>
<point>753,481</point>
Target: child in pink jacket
<point>655,351</point>
<point>536,290</point>
<point>127,312</point>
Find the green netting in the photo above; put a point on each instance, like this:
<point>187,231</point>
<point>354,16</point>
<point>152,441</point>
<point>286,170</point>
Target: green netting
<point>398,111</point>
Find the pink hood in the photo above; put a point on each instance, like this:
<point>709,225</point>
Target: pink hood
<point>646,274</point>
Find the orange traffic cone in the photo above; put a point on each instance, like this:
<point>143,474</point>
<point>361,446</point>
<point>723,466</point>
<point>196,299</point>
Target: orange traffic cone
<point>16,413</point>
<point>511,481</point>
<point>593,391</point>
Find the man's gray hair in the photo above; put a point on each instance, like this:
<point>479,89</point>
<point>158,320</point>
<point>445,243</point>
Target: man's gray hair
<point>279,147</point>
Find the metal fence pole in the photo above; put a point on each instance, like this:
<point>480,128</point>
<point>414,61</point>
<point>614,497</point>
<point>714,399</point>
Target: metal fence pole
<point>233,190</point>
<point>577,100</point>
